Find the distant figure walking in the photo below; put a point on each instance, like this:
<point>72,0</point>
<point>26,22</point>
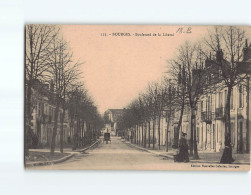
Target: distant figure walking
<point>183,155</point>
<point>227,154</point>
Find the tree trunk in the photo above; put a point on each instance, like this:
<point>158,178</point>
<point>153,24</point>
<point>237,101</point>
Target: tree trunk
<point>83,133</point>
<point>159,131</point>
<point>53,141</point>
<point>177,131</point>
<point>78,131</point>
<point>227,153</point>
<point>89,134</point>
<point>167,128</point>
<point>142,126</point>
<point>62,132</point>
<point>195,155</point>
<point>227,114</point>
<point>191,129</point>
<point>149,134</point>
<point>153,133</point>
<point>137,134</point>
<point>145,125</point>
<point>27,132</point>
<point>72,132</point>
<point>247,122</point>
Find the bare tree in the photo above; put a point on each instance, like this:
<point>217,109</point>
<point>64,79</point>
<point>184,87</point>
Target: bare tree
<point>153,95</point>
<point>37,52</point>
<point>168,93</point>
<point>190,58</point>
<point>142,118</point>
<point>49,58</point>
<point>64,74</point>
<point>228,44</point>
<point>83,111</point>
<point>161,91</point>
<point>148,102</point>
<point>177,72</point>
<point>132,114</point>
<point>70,74</point>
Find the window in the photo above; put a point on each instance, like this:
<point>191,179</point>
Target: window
<point>231,100</point>
<point>208,104</point>
<point>240,96</point>
<point>232,132</point>
<point>217,135</point>
<point>220,99</point>
<point>225,93</point>
<point>201,133</point>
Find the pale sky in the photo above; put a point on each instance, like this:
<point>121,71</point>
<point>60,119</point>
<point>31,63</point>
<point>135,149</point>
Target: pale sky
<point>117,68</point>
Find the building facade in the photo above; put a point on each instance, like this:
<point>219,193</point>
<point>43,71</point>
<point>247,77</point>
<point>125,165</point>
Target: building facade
<point>43,116</point>
<point>210,116</point>
<point>112,117</point>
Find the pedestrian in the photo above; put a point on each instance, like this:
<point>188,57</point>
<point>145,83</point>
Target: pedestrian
<point>69,140</point>
<point>183,155</point>
<point>227,154</point>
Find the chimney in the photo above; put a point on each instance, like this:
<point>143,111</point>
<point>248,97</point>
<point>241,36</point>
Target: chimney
<point>247,51</point>
<point>208,62</point>
<point>219,55</point>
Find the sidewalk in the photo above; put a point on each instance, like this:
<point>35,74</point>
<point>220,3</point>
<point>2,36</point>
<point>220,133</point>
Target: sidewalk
<point>41,157</point>
<point>204,156</point>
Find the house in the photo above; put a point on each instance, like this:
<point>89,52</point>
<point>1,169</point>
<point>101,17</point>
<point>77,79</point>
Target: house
<point>210,112</point>
<point>112,118</point>
<point>43,115</point>
<point>210,119</point>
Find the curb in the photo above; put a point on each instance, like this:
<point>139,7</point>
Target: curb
<point>150,151</point>
<point>171,157</point>
<point>95,143</point>
<point>59,160</point>
<point>49,162</point>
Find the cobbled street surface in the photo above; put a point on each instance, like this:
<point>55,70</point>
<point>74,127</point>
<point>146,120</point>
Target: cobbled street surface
<point>116,155</point>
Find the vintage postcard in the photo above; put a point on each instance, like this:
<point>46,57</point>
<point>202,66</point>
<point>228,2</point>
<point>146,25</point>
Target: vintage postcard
<point>137,97</point>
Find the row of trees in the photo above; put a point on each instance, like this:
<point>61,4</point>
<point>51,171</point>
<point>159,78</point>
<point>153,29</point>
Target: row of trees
<point>191,74</point>
<point>150,106</point>
<point>48,59</point>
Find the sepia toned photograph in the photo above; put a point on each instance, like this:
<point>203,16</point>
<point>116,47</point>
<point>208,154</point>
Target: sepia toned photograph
<point>137,97</point>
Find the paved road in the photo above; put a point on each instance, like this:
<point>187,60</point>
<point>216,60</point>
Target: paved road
<point>117,155</point>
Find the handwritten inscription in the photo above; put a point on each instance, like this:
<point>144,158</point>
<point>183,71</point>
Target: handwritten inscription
<point>187,30</point>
